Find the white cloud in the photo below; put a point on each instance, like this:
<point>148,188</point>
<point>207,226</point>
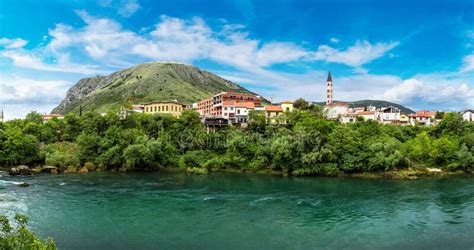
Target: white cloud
<point>125,8</point>
<point>435,90</point>
<point>334,40</point>
<point>12,43</point>
<point>468,63</point>
<point>105,3</point>
<point>362,52</point>
<point>128,7</point>
<point>30,61</point>
<point>21,90</point>
<point>108,43</point>
<point>18,96</point>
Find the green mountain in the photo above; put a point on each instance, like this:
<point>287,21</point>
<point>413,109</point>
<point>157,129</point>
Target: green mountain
<point>376,103</point>
<point>157,81</point>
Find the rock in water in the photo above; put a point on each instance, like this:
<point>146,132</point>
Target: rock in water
<point>83,170</point>
<point>23,184</point>
<point>20,170</point>
<point>49,169</point>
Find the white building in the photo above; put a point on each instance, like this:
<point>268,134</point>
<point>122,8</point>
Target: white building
<point>389,115</point>
<point>348,118</point>
<point>468,115</point>
<point>242,110</point>
<point>138,108</point>
<point>335,110</point>
<point>228,110</point>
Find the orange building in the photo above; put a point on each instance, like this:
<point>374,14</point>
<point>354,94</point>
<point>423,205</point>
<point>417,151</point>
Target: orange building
<point>173,108</point>
<point>214,106</point>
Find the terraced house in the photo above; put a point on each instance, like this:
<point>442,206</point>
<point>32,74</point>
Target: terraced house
<point>274,114</point>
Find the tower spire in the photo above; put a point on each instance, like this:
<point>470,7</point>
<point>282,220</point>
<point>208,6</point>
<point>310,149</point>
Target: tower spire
<point>329,89</point>
<point>329,77</point>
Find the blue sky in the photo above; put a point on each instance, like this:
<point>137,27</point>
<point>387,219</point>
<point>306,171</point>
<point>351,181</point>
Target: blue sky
<point>417,53</point>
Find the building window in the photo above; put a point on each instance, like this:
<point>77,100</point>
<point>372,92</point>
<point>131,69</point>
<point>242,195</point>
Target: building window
<point>225,108</point>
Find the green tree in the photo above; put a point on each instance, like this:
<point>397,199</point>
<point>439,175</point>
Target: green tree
<point>72,127</point>
<point>20,237</point>
<point>137,156</point>
<point>443,150</point>
<point>419,148</point>
<point>257,121</point>
<point>466,161</point>
<point>17,148</point>
<point>301,104</point>
<point>89,147</point>
<point>451,124</point>
<point>34,117</point>
<point>384,155</point>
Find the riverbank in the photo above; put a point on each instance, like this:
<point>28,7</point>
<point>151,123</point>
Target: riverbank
<point>401,174</point>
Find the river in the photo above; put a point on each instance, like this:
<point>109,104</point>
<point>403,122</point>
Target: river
<point>232,211</point>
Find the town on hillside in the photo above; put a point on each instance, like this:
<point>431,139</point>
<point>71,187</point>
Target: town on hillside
<point>232,108</point>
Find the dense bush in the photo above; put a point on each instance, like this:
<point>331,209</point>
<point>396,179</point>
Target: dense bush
<point>307,145</point>
<point>19,237</point>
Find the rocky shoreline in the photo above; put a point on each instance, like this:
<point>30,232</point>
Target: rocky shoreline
<point>402,174</point>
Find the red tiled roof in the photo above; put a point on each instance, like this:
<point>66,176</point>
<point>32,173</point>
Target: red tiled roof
<point>286,102</point>
<point>228,103</point>
<point>273,108</point>
<point>423,113</point>
<point>248,105</point>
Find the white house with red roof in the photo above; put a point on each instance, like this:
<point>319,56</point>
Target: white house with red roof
<point>423,117</point>
<point>242,110</point>
<point>48,117</point>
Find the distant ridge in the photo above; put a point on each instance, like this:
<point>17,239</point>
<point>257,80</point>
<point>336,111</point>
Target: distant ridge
<point>155,81</point>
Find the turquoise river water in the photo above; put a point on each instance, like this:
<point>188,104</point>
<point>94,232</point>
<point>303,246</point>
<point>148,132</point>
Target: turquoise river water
<point>231,211</point>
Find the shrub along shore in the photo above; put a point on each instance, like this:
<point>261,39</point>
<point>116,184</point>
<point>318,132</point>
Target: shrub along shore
<point>308,145</point>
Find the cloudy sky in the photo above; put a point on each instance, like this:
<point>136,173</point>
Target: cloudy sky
<point>417,53</point>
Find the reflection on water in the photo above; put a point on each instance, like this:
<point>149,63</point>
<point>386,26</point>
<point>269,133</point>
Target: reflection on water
<point>123,211</point>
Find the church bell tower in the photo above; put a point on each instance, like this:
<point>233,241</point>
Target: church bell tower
<point>329,89</point>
